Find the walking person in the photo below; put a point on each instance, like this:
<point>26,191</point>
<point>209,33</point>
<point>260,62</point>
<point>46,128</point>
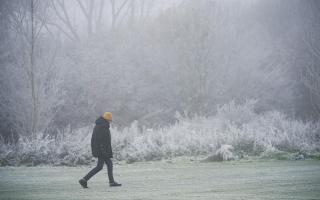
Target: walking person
<point>101,149</point>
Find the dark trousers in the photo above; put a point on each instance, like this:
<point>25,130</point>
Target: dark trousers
<point>99,167</point>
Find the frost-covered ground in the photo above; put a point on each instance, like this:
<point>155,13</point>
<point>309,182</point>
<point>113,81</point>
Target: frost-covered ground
<point>169,180</point>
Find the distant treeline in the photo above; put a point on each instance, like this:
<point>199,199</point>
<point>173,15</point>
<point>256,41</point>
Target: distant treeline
<point>65,62</point>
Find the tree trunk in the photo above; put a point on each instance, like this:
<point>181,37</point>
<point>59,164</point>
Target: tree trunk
<point>33,86</point>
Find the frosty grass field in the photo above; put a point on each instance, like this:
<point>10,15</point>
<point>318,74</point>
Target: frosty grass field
<point>182,179</point>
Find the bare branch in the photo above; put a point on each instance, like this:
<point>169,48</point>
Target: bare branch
<point>83,9</point>
<point>61,29</point>
<point>65,19</point>
<point>88,14</point>
<point>116,12</point>
<point>98,21</point>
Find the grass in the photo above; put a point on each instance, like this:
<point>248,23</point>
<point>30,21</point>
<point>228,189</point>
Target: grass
<point>168,180</point>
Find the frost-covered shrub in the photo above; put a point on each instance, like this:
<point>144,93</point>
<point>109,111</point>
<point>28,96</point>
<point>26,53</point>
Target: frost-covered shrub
<point>274,129</point>
<point>224,153</point>
<point>236,131</point>
<point>237,114</point>
<point>237,125</point>
<point>68,149</point>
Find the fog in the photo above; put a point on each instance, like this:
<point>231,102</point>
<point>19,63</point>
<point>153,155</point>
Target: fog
<point>64,63</point>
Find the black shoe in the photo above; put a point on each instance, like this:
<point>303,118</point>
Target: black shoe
<point>83,183</point>
<point>114,184</point>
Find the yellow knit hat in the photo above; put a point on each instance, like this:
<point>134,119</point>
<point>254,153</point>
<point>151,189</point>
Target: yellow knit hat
<point>107,116</point>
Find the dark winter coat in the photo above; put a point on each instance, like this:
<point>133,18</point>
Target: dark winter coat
<point>101,139</point>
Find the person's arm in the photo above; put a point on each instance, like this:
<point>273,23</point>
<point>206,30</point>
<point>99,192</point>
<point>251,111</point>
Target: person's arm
<point>109,147</point>
<point>101,143</point>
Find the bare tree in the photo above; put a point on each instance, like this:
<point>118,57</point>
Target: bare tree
<point>88,13</point>
<point>99,17</point>
<point>59,6</point>
<point>311,79</point>
<point>35,28</point>
<point>31,73</point>
<point>30,58</point>
<point>116,11</point>
<point>311,72</point>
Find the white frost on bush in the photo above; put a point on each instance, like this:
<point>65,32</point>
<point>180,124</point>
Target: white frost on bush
<point>245,132</point>
<point>226,152</point>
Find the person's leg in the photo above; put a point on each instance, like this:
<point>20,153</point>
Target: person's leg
<point>95,170</point>
<point>110,169</point>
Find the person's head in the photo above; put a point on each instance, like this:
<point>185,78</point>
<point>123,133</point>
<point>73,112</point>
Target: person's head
<point>107,116</point>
